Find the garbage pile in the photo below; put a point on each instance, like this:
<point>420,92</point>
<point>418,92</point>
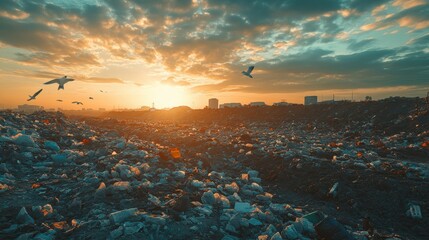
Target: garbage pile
<point>64,179</point>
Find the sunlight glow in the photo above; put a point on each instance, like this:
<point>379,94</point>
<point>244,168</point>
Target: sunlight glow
<point>167,96</point>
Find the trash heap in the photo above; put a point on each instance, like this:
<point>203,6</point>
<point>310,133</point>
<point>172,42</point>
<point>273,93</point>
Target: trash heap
<point>63,179</point>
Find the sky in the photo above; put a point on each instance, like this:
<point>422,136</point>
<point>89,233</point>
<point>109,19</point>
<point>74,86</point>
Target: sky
<point>183,52</point>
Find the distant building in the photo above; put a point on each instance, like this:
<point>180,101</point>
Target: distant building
<point>309,100</point>
<point>213,103</point>
<point>230,105</point>
<point>257,104</point>
<point>101,109</point>
<point>327,102</point>
<point>280,104</point>
<point>29,108</point>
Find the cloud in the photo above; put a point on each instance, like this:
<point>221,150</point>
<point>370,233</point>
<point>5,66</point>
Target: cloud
<point>366,5</point>
<point>358,45</point>
<point>47,75</point>
<point>408,3</point>
<point>171,81</point>
<point>420,41</point>
<point>295,44</point>
<point>316,69</point>
<point>98,79</point>
<point>416,18</point>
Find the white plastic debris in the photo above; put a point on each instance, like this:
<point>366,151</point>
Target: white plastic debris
<point>24,140</point>
<point>121,216</point>
<point>197,183</point>
<point>243,207</point>
<point>276,236</point>
<point>179,174</point>
<point>334,190</point>
<point>253,173</point>
<point>232,188</point>
<point>290,232</point>
<point>154,200</point>
<point>208,198</point>
<point>23,217</point>
<point>255,222</point>
<point>414,211</point>
<point>51,145</point>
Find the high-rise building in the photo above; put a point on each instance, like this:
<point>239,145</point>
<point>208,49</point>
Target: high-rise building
<point>213,103</point>
<point>309,100</point>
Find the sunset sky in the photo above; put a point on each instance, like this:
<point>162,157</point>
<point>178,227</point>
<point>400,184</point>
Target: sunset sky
<point>186,51</point>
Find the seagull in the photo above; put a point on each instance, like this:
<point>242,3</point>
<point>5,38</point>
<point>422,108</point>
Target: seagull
<point>34,95</point>
<point>60,81</point>
<point>249,70</point>
<point>77,103</point>
<point>91,98</point>
<point>59,100</point>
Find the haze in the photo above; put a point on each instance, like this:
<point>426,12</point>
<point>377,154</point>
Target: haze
<point>184,52</point>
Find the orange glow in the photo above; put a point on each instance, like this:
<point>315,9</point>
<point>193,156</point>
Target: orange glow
<point>166,96</point>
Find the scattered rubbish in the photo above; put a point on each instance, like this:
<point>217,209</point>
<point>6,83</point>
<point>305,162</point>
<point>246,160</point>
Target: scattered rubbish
<point>121,179</point>
<point>243,207</point>
<point>334,190</point>
<point>23,217</point>
<point>414,211</point>
<point>121,216</point>
<point>329,228</point>
<point>175,153</point>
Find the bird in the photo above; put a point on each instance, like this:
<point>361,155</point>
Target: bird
<point>91,98</point>
<point>60,81</point>
<point>34,95</point>
<point>59,100</point>
<point>249,70</point>
<point>77,103</point>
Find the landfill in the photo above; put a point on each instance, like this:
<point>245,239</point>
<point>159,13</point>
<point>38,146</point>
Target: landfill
<point>101,178</point>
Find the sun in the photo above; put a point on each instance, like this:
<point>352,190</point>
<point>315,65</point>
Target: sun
<point>167,96</point>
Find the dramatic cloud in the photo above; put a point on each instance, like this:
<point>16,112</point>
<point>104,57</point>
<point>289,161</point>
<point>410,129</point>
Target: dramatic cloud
<point>317,70</point>
<point>296,45</point>
<point>99,79</point>
<point>358,45</point>
<point>171,81</point>
<point>44,75</point>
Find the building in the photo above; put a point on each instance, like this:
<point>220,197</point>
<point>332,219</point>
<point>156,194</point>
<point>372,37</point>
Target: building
<point>280,104</point>
<point>309,100</point>
<point>257,104</point>
<point>327,102</point>
<point>25,108</point>
<point>213,103</point>
<point>230,105</point>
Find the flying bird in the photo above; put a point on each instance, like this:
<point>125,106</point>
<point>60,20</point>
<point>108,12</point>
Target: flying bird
<point>249,70</point>
<point>34,95</point>
<point>60,81</point>
<point>91,98</point>
<point>59,100</point>
<point>77,103</point>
